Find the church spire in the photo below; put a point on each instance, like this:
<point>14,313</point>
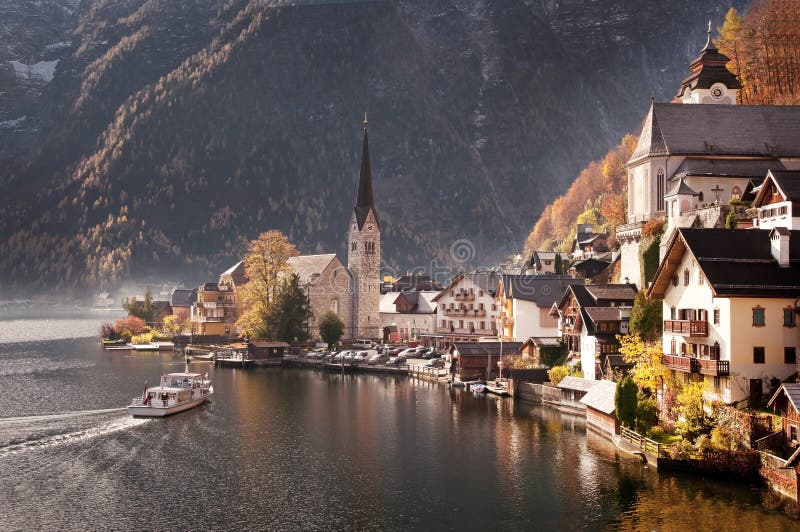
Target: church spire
<point>364,199</point>
<point>710,80</point>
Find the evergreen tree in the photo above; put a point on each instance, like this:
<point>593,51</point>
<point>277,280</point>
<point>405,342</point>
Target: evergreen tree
<point>625,401</point>
<point>559,264</point>
<point>646,318</point>
<point>293,312</point>
<point>331,328</point>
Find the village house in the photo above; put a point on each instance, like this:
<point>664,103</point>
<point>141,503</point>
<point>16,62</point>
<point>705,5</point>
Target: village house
<point>466,309</point>
<point>407,315</point>
<point>590,317</point>
<point>524,303</point>
<point>777,201</point>
<point>696,155</point>
<point>181,301</point>
<point>730,309</point>
<point>539,349</point>
<point>587,243</point>
<point>545,262</point>
<point>216,309</point>
<point>478,360</point>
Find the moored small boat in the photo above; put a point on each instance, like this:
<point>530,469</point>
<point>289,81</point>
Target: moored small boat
<point>176,392</point>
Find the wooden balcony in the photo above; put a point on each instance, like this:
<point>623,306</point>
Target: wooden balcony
<point>686,327</point>
<point>465,296</point>
<point>715,368</point>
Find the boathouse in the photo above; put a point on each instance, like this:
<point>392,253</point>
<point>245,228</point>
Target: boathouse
<point>573,389</point>
<point>268,353</point>
<point>600,409</point>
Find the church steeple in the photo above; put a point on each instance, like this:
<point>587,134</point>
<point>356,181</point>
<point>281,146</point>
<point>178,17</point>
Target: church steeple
<point>710,80</point>
<point>364,199</point>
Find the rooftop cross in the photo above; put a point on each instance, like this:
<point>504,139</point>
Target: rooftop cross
<point>716,190</point>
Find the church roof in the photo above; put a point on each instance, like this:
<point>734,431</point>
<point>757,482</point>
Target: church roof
<point>365,198</point>
<point>719,130</point>
<point>709,68</point>
<point>681,189</point>
<point>309,267</point>
<point>703,167</point>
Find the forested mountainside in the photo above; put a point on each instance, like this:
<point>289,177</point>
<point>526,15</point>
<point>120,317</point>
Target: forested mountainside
<point>173,132</point>
<point>763,44</point>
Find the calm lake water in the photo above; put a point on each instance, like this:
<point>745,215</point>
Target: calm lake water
<point>307,450</point>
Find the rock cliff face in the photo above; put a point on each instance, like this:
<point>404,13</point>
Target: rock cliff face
<point>172,132</point>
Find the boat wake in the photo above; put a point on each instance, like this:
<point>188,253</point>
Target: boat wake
<point>21,434</point>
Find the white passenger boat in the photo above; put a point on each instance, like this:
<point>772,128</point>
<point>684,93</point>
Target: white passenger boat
<point>177,392</point>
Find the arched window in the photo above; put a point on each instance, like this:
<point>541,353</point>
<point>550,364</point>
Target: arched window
<point>660,185</point>
<point>736,192</point>
<point>685,277</point>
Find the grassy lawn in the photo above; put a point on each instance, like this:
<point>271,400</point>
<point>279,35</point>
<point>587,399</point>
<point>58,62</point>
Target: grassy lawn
<point>665,438</point>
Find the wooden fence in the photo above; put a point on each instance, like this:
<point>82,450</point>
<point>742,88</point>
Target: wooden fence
<point>645,444</point>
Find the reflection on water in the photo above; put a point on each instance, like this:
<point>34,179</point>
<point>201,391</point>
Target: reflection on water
<point>295,449</point>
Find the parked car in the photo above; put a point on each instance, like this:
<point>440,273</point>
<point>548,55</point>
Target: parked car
<point>378,358</point>
<point>362,343</point>
<point>399,360</point>
<point>434,354</point>
<point>434,363</point>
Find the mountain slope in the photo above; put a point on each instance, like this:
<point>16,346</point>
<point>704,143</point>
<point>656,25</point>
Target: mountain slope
<point>173,132</point>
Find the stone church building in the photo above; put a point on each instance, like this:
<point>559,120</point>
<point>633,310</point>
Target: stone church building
<point>353,292</point>
<point>700,154</point>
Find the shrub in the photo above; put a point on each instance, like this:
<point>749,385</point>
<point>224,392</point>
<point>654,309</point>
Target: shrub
<point>681,450</point>
<point>655,432</point>
<point>646,414</point>
<point>139,339</point>
<point>131,323</point>
<point>557,374</point>
<point>703,445</point>
<point>126,335</point>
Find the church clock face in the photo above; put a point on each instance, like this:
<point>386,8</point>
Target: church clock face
<point>717,91</point>
<point>369,227</point>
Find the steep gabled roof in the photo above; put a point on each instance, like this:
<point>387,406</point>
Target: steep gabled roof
<point>487,281</point>
<point>183,297</point>
<point>542,290</point>
<point>787,183</point>
<point>680,188</point>
<point>310,267</point>
<point>236,273</point>
<point>601,397</point>
<point>720,130</point>
<point>792,392</point>
<point>736,262</point>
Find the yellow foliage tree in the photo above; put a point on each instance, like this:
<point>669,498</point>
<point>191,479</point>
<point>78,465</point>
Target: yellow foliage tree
<point>266,266</point>
<point>648,371</point>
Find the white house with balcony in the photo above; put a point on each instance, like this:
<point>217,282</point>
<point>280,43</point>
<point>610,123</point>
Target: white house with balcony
<point>777,202</point>
<point>730,309</point>
<point>524,303</point>
<point>466,309</point>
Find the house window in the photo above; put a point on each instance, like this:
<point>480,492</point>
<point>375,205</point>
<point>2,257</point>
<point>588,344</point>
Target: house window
<point>716,385</point>
<point>788,317</point>
<point>758,355</point>
<point>793,433</point>
<point>672,346</point>
<point>685,277</point>
<point>782,210</point>
<point>758,316</point>
<point>675,280</point>
<point>700,278</point>
<point>716,316</point>
<point>672,313</point>
<point>353,246</point>
<point>789,355</point>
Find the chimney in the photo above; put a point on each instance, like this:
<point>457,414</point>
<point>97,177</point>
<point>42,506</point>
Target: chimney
<point>779,244</point>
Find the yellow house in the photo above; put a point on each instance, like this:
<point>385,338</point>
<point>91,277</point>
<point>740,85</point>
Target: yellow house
<point>730,303</point>
<point>216,309</point>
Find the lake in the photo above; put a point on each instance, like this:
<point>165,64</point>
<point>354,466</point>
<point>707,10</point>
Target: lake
<point>308,450</point>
